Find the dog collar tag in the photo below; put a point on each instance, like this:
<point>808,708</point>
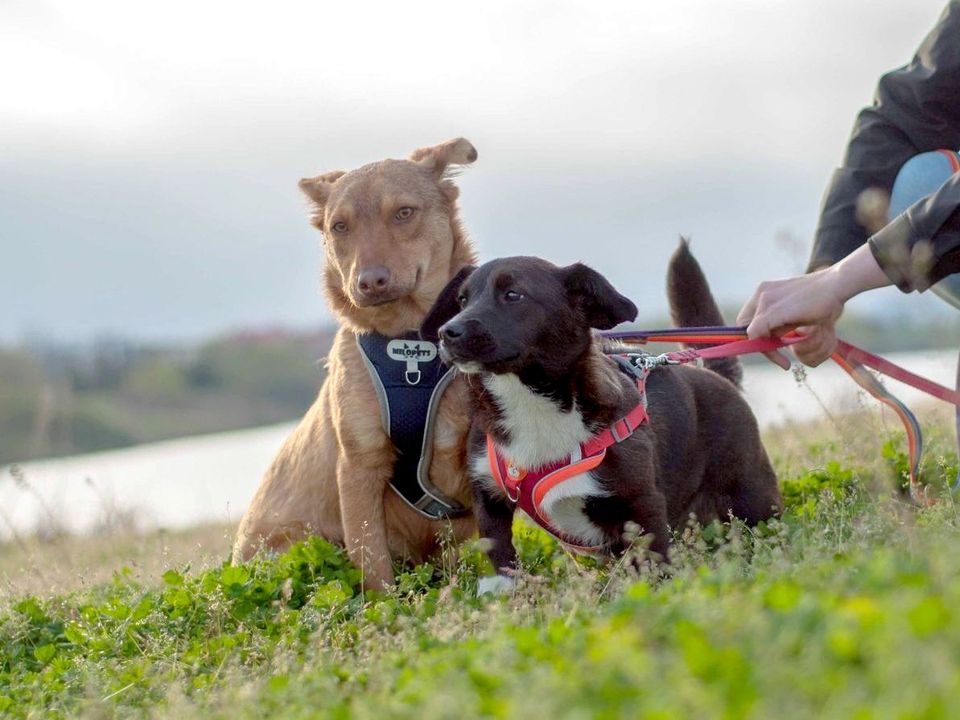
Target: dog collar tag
<point>412,352</point>
<point>515,473</point>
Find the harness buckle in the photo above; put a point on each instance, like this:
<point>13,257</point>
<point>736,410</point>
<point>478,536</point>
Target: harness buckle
<point>618,434</point>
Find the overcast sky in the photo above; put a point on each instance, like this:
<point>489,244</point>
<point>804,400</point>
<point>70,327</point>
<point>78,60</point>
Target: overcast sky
<point>149,153</point>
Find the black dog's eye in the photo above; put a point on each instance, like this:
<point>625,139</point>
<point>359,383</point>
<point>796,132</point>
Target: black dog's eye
<point>512,296</point>
<point>404,213</point>
<point>339,227</point>
<point>462,300</point>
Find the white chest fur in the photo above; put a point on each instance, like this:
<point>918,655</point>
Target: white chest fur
<point>541,433</point>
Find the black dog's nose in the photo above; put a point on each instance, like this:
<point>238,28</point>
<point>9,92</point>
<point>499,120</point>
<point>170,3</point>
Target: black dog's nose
<point>373,280</point>
<point>451,331</point>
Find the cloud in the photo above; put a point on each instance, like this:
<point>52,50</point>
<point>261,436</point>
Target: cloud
<point>150,153</point>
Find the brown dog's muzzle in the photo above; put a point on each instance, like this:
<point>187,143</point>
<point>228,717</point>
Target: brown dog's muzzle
<point>374,286</point>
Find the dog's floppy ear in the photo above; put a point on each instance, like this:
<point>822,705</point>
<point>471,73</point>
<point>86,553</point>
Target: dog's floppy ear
<point>318,188</point>
<point>438,158</point>
<point>446,306</point>
<point>601,304</point>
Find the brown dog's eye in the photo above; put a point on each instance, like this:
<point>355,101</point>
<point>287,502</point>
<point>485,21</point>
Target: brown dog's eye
<point>404,213</point>
<point>339,227</point>
<point>512,296</point>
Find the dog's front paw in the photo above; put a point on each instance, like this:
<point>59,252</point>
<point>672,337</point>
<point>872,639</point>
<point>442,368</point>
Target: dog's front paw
<point>495,585</point>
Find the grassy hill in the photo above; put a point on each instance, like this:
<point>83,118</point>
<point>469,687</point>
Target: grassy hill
<point>845,608</point>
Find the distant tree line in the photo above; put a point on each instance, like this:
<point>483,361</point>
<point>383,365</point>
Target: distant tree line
<point>57,400</point>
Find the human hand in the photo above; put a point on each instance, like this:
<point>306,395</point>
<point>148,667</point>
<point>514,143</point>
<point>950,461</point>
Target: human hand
<point>782,305</point>
<point>809,304</point>
<point>819,343</point>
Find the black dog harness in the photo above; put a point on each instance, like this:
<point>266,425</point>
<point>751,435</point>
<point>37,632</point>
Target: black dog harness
<point>410,379</point>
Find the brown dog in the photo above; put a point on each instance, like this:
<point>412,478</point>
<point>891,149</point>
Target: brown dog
<point>393,240</point>
<point>574,436</point>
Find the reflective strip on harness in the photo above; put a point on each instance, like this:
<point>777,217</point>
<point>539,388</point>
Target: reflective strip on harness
<point>528,489</point>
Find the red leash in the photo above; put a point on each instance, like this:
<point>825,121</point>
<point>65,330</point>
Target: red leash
<point>854,354</point>
<point>733,341</point>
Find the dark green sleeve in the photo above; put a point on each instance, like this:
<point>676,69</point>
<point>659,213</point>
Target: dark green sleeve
<point>916,109</point>
<point>922,245</point>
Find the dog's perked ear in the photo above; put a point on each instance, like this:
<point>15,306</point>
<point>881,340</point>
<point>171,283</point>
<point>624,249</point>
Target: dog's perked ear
<point>446,306</point>
<point>601,304</point>
<point>318,189</point>
<point>439,158</point>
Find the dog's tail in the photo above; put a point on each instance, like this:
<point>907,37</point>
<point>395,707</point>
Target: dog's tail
<point>692,304</point>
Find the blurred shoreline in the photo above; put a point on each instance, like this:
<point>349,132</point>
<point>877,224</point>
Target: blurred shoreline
<point>59,400</point>
<point>211,478</point>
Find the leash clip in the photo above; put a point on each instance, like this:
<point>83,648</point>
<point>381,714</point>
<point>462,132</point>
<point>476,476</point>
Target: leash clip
<point>649,362</point>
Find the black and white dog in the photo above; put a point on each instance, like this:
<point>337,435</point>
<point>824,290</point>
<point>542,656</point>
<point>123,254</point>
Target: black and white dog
<point>563,431</point>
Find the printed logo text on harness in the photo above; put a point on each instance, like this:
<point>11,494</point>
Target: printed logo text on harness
<point>412,352</point>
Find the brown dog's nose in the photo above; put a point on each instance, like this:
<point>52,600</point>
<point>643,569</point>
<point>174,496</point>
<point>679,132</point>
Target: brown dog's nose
<point>373,281</point>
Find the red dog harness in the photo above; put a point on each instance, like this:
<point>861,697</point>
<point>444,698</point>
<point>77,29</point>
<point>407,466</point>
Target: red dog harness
<point>527,487</point>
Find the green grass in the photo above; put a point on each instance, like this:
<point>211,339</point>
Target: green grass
<point>848,607</point>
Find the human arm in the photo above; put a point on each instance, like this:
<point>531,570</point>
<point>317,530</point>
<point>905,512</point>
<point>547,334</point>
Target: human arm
<point>916,109</point>
<point>916,250</point>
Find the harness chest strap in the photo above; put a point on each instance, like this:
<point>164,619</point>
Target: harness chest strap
<point>528,488</point>
<point>410,379</point>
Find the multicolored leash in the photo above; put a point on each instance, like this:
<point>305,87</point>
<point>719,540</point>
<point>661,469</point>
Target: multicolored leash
<point>732,341</point>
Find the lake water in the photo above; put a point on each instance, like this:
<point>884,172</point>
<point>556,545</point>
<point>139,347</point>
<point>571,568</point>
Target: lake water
<point>211,478</point>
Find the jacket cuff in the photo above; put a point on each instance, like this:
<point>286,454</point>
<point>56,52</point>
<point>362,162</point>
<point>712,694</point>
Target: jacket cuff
<point>905,258</point>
